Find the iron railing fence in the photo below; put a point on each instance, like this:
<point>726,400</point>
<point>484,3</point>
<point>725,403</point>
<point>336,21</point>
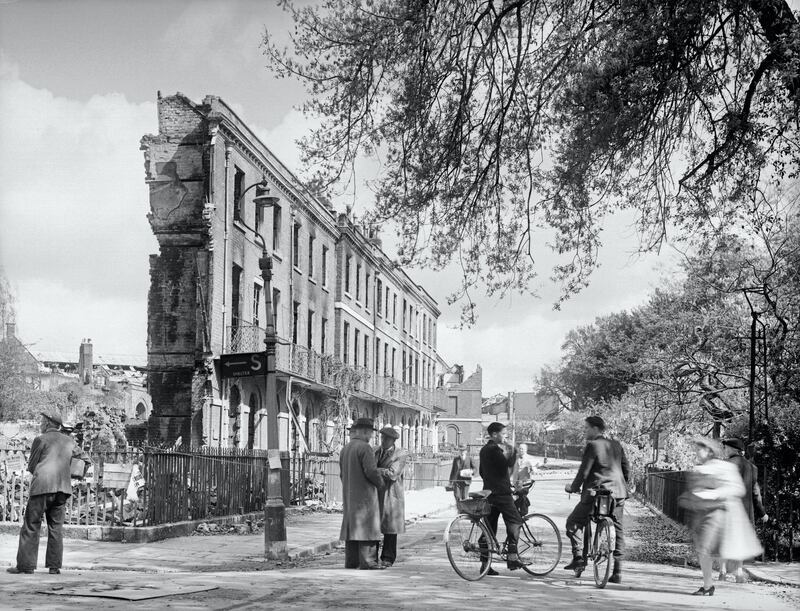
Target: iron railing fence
<point>168,486</point>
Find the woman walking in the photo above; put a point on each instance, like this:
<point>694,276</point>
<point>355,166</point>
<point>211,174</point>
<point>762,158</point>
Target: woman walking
<point>719,523</point>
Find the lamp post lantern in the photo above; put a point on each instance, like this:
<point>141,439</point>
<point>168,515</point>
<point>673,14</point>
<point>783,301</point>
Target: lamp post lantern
<point>274,510</point>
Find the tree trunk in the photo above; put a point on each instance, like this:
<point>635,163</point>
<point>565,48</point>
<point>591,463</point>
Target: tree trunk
<point>779,23</point>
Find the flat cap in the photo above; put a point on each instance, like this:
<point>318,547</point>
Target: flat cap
<point>390,431</point>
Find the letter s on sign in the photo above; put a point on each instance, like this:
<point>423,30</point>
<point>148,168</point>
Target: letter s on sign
<point>255,362</point>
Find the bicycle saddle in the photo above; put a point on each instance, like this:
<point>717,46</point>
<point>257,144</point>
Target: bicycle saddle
<point>481,494</point>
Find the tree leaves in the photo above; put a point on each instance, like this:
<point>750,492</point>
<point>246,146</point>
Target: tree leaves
<point>500,123</point>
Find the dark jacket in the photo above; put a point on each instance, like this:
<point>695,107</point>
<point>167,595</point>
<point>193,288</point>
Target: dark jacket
<point>494,468</point>
<point>458,465</point>
<point>51,455</point>
<point>753,504</point>
<point>603,466</point>
<point>361,514</point>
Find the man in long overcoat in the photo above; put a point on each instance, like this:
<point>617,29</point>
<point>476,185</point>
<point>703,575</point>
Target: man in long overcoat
<point>361,518</point>
<point>49,462</point>
<point>391,496</point>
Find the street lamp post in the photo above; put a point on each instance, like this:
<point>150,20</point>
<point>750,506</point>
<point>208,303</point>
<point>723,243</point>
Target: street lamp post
<point>274,510</point>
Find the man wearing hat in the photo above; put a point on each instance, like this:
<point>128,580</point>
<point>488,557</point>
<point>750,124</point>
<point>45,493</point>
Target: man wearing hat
<point>753,504</point>
<point>496,461</point>
<point>391,496</point>
<point>51,455</point>
<point>603,466</point>
<point>361,515</point>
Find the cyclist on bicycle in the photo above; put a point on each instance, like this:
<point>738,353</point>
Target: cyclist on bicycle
<point>603,466</point>
<point>496,461</point>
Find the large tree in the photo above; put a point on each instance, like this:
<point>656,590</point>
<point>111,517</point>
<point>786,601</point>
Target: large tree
<point>502,124</point>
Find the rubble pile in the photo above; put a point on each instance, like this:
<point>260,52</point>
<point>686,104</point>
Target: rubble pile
<point>212,528</point>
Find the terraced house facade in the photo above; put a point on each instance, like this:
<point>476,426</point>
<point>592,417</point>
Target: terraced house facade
<point>340,303</point>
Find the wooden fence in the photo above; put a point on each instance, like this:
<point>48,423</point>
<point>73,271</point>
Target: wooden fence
<point>175,486</point>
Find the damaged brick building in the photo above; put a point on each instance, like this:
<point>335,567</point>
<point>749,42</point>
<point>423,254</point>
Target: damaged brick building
<point>339,301</point>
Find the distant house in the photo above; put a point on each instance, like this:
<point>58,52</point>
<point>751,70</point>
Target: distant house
<point>461,423</point>
<point>540,407</point>
<point>48,370</point>
<point>27,364</point>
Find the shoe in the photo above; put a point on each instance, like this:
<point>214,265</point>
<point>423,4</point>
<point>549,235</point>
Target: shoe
<point>15,571</point>
<point>704,592</point>
<point>615,578</point>
<point>577,564</point>
<point>741,579</point>
<point>386,564</point>
<point>372,567</point>
<point>55,571</point>
<point>514,565</point>
<point>492,573</point>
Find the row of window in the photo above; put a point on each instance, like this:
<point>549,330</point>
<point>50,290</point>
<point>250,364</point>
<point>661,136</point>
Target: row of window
<point>412,367</point>
<point>238,189</point>
<point>410,320</point>
<point>310,265</point>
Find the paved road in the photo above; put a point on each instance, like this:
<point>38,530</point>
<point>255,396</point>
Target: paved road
<point>421,579</point>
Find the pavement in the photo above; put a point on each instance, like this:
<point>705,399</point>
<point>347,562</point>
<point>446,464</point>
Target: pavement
<point>421,579</point>
<point>308,533</point>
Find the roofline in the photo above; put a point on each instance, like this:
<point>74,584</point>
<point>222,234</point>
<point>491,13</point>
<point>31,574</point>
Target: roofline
<point>220,112</point>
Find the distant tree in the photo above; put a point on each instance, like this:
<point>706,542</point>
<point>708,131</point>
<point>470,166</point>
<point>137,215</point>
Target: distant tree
<point>501,124</point>
<point>599,361</point>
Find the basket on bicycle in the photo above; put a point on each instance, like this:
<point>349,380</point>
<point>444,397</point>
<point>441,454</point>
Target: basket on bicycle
<point>476,508</point>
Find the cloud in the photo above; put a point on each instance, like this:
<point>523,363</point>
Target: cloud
<point>73,201</point>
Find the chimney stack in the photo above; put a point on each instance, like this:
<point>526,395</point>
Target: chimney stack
<point>11,330</point>
<point>86,361</point>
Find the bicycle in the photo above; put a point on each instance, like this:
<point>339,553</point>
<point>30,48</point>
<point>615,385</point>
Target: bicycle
<point>471,545</point>
<point>600,548</point>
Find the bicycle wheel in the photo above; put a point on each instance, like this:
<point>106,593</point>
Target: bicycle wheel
<point>603,557</point>
<point>465,539</point>
<point>539,545</point>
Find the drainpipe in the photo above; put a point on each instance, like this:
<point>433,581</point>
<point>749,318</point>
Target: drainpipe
<point>292,316</point>
<point>228,151</point>
<point>224,384</point>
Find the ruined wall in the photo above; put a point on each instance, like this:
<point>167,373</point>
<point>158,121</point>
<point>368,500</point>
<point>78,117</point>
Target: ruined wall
<point>176,335</point>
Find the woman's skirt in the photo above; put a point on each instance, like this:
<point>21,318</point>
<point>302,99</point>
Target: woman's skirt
<point>708,529</point>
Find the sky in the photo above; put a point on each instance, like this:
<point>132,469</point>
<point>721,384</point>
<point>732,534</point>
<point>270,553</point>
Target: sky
<point>78,84</point>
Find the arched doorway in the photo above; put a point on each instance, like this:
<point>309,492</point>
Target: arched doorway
<point>141,411</point>
<point>453,435</point>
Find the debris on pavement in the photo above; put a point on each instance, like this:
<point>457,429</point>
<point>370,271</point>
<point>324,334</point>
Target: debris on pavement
<point>141,592</point>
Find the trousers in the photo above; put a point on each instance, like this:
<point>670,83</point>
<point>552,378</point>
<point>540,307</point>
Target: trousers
<point>576,522</point>
<point>52,506</point>
<point>359,554</point>
<point>502,504</point>
<point>388,549</point>
<point>460,489</point>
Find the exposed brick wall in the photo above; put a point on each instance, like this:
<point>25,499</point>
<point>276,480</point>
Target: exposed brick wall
<point>175,170</point>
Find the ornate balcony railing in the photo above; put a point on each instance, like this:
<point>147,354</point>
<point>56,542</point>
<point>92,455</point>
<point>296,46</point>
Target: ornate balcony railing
<point>325,369</point>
